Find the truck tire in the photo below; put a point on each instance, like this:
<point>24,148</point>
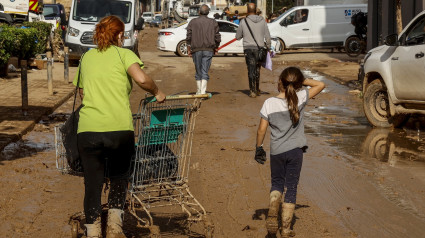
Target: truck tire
<point>377,109</point>
<point>182,48</point>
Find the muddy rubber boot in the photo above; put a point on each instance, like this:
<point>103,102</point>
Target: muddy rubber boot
<point>257,87</point>
<point>272,224</point>
<point>287,214</point>
<point>94,230</point>
<point>114,226</point>
<point>198,86</point>
<point>204,86</point>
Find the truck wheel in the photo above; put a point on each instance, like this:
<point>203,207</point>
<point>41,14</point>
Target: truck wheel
<point>377,109</point>
<point>182,48</point>
<point>354,46</point>
<point>282,47</point>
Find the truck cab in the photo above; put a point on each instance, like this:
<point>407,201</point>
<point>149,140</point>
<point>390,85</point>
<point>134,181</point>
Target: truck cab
<point>84,16</point>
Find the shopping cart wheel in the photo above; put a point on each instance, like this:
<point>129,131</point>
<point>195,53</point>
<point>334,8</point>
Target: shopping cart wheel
<point>75,226</point>
<point>154,232</point>
<point>209,228</point>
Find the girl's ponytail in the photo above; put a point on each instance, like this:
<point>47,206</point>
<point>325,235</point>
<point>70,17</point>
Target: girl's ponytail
<point>290,81</point>
<point>292,100</point>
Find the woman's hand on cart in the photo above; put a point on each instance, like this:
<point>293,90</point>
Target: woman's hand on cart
<point>160,96</point>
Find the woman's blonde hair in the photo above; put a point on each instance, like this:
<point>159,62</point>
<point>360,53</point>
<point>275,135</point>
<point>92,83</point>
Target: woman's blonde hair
<point>290,80</point>
<point>107,32</point>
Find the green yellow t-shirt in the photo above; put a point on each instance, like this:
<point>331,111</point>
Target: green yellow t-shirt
<point>107,88</point>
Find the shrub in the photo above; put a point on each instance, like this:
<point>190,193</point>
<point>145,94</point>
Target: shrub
<point>24,42</point>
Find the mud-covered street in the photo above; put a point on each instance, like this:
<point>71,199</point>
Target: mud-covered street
<point>356,181</point>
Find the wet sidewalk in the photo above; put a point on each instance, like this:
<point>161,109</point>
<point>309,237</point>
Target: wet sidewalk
<point>13,122</point>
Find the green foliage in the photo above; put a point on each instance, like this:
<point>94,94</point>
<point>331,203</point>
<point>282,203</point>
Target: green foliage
<point>23,43</point>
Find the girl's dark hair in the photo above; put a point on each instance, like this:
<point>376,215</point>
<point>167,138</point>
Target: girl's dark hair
<point>290,81</point>
<point>107,31</point>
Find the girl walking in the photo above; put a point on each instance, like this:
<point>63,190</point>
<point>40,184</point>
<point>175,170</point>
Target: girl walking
<point>285,116</point>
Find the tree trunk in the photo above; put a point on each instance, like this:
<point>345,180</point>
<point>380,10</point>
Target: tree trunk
<point>398,17</point>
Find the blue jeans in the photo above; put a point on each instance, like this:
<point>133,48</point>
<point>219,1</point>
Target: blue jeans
<point>202,61</point>
<point>285,171</point>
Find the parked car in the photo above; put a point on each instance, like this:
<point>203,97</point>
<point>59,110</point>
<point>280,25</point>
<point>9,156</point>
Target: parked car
<point>148,16</point>
<point>174,39</point>
<point>315,26</point>
<point>156,20</point>
<point>393,84</point>
<point>57,13</point>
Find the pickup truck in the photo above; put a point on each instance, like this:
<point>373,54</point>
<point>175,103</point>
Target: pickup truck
<point>394,81</point>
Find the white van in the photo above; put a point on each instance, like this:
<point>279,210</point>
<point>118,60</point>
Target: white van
<point>315,26</point>
<point>84,16</point>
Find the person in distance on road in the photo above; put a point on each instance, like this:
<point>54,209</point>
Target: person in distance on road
<point>203,38</point>
<point>285,116</point>
<point>105,127</point>
<point>251,43</point>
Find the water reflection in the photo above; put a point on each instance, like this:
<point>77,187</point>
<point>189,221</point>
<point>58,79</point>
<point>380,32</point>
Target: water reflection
<point>396,147</point>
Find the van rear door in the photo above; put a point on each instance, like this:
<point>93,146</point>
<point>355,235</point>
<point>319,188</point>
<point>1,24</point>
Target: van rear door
<point>295,28</point>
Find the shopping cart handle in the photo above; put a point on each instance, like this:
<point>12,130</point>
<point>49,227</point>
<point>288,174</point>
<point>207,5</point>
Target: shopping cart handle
<point>175,97</point>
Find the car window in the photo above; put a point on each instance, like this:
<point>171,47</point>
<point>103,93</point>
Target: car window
<point>50,11</point>
<point>295,17</point>
<point>416,34</point>
<point>226,27</point>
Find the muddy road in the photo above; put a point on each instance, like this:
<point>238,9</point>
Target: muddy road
<point>356,181</point>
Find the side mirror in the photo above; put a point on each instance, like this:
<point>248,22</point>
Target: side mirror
<point>139,25</point>
<point>391,40</point>
<point>284,22</point>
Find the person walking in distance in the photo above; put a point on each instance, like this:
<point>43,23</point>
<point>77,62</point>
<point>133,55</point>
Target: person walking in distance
<point>203,38</point>
<point>254,31</point>
<point>284,114</point>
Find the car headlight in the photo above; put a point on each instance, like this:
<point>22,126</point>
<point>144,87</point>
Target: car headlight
<point>127,35</point>
<point>73,32</point>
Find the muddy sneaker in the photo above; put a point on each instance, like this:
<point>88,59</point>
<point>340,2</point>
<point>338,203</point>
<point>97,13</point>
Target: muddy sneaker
<point>272,224</point>
<point>252,94</point>
<point>287,214</point>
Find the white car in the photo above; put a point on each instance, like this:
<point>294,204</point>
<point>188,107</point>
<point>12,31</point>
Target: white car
<point>174,39</point>
<point>148,16</point>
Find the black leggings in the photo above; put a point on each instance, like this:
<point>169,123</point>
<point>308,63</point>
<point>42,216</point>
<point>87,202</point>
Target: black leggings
<point>285,171</point>
<point>105,154</point>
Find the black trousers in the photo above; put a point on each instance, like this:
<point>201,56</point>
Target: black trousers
<point>251,59</point>
<point>285,171</point>
<point>105,154</point>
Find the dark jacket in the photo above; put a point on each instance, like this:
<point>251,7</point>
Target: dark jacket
<point>203,34</point>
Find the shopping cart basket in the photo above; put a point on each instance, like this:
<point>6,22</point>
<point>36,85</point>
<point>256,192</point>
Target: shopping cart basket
<point>161,165</point>
<point>164,133</point>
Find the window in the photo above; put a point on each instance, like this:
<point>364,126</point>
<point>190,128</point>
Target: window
<point>416,34</point>
<point>226,27</point>
<point>295,17</point>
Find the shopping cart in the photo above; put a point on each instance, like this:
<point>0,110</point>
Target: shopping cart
<point>164,133</point>
<point>161,165</point>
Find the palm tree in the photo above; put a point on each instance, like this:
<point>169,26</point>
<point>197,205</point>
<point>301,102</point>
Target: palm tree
<point>398,16</point>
